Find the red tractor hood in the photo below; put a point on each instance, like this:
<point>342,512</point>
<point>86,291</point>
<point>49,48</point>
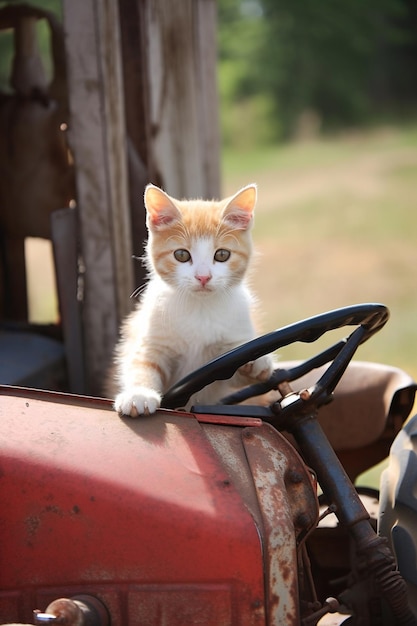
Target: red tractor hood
<point>165,519</point>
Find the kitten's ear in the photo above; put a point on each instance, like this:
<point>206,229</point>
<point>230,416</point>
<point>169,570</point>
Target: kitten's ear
<point>238,212</point>
<point>161,211</point>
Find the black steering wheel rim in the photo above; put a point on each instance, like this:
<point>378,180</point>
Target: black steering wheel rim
<point>368,317</point>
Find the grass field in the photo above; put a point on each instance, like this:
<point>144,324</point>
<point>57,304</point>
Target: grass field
<point>336,224</point>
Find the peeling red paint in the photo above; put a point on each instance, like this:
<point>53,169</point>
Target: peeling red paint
<point>288,502</point>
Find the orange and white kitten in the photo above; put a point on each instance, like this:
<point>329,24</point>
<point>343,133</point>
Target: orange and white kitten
<point>196,305</point>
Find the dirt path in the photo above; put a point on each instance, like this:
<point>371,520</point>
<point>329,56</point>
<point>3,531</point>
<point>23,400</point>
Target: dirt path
<point>362,175</point>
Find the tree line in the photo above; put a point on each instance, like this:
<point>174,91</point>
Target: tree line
<point>330,63</point>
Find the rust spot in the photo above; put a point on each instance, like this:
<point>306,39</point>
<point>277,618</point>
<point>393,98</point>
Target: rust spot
<point>286,571</point>
<point>274,600</point>
<point>51,508</point>
<point>294,477</point>
<point>303,520</point>
<point>76,509</point>
<point>32,524</point>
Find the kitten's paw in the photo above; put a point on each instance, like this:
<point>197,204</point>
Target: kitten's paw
<point>137,401</point>
<point>260,369</point>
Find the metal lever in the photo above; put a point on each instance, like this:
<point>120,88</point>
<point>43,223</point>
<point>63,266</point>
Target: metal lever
<point>77,611</point>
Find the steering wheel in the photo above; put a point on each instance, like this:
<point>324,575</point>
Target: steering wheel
<point>369,319</point>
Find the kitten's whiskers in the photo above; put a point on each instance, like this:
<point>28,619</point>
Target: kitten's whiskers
<point>138,291</point>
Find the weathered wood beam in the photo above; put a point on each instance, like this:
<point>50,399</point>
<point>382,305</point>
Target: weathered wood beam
<point>98,142</point>
<point>183,95</point>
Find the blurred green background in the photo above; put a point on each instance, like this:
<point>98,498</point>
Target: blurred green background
<point>319,107</point>
<point>292,69</point>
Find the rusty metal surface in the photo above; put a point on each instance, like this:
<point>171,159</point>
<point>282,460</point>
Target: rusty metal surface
<point>287,497</point>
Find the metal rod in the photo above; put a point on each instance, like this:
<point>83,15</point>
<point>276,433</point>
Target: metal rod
<point>336,484</point>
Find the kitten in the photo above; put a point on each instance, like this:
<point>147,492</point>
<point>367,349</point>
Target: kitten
<point>196,305</point>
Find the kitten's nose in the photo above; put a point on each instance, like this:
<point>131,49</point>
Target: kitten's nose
<point>203,279</point>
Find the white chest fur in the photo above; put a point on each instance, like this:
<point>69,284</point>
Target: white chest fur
<point>201,326</point>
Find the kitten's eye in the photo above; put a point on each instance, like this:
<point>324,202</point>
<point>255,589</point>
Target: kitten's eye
<point>182,255</point>
<point>221,255</point>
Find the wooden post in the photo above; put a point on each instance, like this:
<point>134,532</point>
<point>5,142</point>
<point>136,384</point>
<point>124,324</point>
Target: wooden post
<point>183,95</point>
<point>138,126</point>
<point>98,141</point>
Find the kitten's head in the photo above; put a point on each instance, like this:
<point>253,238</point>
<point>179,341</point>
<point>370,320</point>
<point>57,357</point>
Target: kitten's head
<point>200,246</point>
